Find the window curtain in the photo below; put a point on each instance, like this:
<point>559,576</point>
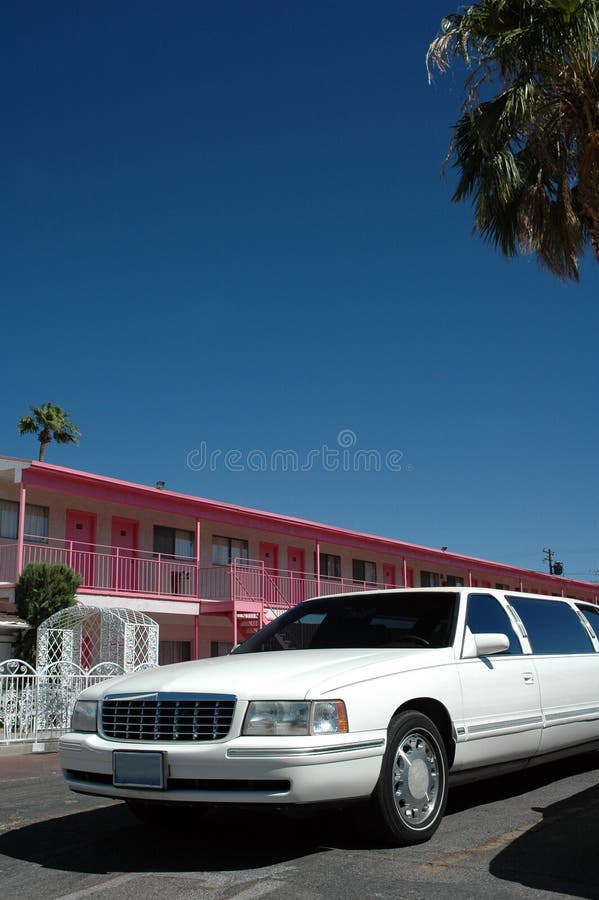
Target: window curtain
<point>36,522</point>
<point>9,519</point>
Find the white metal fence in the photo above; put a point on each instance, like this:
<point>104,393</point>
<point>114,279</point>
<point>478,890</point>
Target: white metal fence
<point>37,705</point>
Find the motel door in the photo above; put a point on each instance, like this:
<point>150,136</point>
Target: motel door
<point>271,588</point>
<point>81,536</point>
<point>296,569</point>
<point>389,575</point>
<point>269,555</point>
<point>124,552</point>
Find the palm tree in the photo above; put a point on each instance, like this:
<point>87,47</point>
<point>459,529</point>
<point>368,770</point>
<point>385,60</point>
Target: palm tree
<point>526,145</point>
<point>49,422</point>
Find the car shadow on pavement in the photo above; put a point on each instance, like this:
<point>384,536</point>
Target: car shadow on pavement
<point>560,853</point>
<point>110,839</point>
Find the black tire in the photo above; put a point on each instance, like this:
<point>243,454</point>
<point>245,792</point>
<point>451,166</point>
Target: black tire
<point>409,800</point>
<point>161,816</point>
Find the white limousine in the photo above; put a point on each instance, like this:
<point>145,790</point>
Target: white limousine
<point>382,696</point>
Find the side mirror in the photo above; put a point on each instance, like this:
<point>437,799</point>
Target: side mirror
<point>484,644</point>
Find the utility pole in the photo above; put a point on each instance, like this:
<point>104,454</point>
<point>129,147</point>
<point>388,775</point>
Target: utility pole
<point>555,568</point>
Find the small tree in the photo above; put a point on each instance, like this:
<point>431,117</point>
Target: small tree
<point>49,422</point>
<point>42,589</point>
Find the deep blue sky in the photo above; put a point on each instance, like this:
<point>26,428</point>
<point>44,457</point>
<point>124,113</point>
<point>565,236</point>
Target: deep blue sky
<point>224,222</point>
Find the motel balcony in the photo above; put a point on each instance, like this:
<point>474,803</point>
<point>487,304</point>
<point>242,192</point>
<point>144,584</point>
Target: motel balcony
<point>122,573</point>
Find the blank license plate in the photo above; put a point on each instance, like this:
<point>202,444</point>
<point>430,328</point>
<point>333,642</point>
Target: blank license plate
<point>136,768</point>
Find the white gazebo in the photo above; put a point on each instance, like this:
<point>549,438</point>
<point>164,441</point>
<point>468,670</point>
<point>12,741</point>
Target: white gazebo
<point>87,636</point>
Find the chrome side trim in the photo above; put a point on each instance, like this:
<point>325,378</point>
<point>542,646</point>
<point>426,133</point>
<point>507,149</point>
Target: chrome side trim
<point>508,724</point>
<point>592,712</point>
<point>293,752</point>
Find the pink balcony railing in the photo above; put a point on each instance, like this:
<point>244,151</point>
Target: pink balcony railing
<point>108,569</point>
<point>8,563</point>
<point>282,588</point>
<point>112,570</point>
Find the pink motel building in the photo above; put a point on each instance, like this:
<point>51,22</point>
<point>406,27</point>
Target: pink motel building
<point>209,573</point>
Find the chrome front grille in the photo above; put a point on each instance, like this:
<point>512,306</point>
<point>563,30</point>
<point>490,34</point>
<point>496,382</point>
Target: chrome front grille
<point>167,717</point>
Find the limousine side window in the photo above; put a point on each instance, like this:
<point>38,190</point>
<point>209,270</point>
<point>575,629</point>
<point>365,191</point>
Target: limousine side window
<point>552,627</point>
<point>486,615</point>
<point>591,614</point>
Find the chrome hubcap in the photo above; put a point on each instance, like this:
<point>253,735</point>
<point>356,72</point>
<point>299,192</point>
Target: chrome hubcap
<point>416,779</point>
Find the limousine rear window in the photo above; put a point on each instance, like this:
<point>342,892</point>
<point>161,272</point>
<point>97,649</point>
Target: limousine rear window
<point>552,627</point>
<point>385,620</point>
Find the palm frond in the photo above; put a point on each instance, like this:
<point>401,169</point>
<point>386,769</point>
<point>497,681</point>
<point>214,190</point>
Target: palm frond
<point>27,425</point>
<point>526,146</point>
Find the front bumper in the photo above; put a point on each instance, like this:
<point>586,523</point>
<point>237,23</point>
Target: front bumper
<point>238,771</point>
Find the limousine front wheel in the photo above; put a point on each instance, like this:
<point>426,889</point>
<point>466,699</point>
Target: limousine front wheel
<point>409,800</point>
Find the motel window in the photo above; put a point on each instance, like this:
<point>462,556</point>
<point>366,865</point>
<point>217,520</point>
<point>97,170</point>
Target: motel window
<point>363,570</point>
<point>220,648</point>
<point>429,579</point>
<point>9,519</point>
<point>330,565</point>
<point>227,549</point>
<point>502,587</point>
<point>174,542</point>
<point>454,581</point>
<point>36,521</point>
<point>174,652</point>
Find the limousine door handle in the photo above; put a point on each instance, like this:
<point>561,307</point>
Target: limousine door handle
<point>529,678</point>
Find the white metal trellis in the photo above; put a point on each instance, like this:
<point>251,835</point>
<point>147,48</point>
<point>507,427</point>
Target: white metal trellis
<point>76,647</point>
<point>87,636</point>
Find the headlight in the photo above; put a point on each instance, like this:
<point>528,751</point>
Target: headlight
<point>85,716</point>
<point>295,717</point>
<point>277,717</point>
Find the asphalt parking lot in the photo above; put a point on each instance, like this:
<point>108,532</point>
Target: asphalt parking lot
<point>525,836</point>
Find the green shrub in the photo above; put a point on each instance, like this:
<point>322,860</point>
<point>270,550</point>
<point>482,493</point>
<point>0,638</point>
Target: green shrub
<point>42,590</point>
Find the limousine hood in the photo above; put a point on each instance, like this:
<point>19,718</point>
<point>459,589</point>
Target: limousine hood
<point>289,674</point>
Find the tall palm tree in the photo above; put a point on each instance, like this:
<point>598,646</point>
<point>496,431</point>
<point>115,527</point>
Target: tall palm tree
<point>526,145</point>
<point>49,422</point>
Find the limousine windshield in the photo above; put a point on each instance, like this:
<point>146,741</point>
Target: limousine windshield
<point>366,620</point>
